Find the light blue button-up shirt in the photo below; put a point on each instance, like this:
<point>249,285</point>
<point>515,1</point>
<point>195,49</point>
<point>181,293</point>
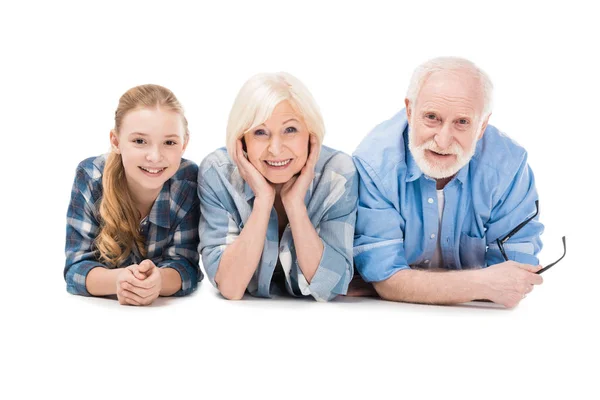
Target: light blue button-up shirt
<point>226,202</point>
<point>397,223</point>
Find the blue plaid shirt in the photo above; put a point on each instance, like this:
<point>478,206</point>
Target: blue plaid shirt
<point>398,221</point>
<point>226,203</point>
<point>170,230</point>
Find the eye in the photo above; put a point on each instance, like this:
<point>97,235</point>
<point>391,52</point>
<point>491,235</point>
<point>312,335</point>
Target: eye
<point>291,129</point>
<point>430,116</point>
<point>170,143</point>
<point>139,141</point>
<point>260,132</point>
<point>463,121</point>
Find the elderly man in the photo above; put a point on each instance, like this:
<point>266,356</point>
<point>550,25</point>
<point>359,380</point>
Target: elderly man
<point>438,188</point>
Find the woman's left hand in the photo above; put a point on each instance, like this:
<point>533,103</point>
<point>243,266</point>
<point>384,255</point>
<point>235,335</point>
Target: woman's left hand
<point>293,191</point>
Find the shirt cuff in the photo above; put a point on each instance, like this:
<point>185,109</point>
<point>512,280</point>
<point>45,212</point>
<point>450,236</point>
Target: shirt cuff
<point>77,274</point>
<point>331,278</point>
<point>189,276</point>
<point>378,261</point>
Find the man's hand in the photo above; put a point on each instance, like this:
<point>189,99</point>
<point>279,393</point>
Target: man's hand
<point>509,282</point>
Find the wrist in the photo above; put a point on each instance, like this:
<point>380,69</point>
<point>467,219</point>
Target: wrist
<point>480,288</point>
<point>293,206</point>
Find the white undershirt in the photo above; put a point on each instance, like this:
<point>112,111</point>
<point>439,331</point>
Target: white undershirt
<point>437,260</point>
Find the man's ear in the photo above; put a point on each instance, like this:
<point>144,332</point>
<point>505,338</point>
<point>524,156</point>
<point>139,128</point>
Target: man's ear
<point>483,126</point>
<point>408,110</point>
<point>114,141</point>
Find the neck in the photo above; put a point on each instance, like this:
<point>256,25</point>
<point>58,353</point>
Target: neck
<point>143,199</point>
<point>441,183</point>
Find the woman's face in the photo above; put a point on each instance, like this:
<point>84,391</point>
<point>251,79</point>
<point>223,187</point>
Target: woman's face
<point>278,148</point>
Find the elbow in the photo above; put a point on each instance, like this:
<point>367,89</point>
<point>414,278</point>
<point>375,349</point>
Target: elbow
<point>232,295</point>
<point>383,291</point>
<point>229,292</point>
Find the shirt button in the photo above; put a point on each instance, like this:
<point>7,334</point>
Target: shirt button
<point>432,235</point>
<point>430,200</point>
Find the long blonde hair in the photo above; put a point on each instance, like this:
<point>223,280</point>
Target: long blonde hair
<point>119,225</point>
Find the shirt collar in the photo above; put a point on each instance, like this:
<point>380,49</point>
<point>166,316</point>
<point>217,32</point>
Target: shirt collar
<point>160,214</point>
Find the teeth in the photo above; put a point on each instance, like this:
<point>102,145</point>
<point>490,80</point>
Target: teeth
<point>152,171</point>
<point>278,164</point>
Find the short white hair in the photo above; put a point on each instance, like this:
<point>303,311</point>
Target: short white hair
<point>258,98</point>
<point>424,71</point>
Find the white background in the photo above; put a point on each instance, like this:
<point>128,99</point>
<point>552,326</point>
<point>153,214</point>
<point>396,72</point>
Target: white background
<point>64,66</point>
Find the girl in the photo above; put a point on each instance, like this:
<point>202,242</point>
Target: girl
<point>133,217</point>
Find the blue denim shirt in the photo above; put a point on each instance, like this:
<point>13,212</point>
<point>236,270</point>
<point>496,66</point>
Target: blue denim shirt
<point>170,229</point>
<point>397,223</point>
<point>226,204</point>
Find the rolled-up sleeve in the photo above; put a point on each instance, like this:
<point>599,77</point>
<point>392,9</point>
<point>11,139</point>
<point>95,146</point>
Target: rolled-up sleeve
<point>182,253</point>
<point>336,231</point>
<point>217,229</point>
<point>516,205</point>
<point>379,237</point>
<point>82,229</point>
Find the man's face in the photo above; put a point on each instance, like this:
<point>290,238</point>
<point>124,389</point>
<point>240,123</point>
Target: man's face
<point>446,122</point>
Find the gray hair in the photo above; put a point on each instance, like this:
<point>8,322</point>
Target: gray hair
<point>424,71</point>
<point>258,98</point>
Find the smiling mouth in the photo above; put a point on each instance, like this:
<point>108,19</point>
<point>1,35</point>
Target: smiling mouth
<point>153,171</point>
<point>278,164</point>
<point>435,153</point>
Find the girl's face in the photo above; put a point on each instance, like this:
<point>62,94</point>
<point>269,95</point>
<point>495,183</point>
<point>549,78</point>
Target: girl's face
<point>151,142</point>
<point>278,149</point>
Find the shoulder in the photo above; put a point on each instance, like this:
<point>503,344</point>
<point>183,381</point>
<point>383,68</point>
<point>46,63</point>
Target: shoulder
<point>187,173</point>
<point>383,149</point>
<point>88,178</point>
<point>335,161</point>
<point>498,155</point>
<point>92,168</point>
<point>184,183</point>
<point>219,173</point>
<point>218,159</point>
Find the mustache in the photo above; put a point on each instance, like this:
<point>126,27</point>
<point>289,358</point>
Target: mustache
<point>454,148</point>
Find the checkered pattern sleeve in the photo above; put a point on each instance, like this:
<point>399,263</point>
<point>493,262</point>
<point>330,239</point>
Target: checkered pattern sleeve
<point>82,229</point>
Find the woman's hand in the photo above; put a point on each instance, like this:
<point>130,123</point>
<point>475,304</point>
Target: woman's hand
<point>263,190</point>
<point>293,191</point>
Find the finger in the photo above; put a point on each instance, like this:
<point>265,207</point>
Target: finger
<point>144,284</point>
<point>145,266</point>
<point>143,293</point>
<point>129,295</point>
<point>314,151</point>
<point>535,279</point>
<point>132,302</point>
<point>139,275</point>
<point>529,267</point>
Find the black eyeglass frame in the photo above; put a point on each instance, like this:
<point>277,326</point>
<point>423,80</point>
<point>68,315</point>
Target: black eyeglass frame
<point>500,241</point>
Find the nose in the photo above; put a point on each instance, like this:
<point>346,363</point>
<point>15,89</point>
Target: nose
<point>444,137</point>
<point>275,145</point>
<point>154,154</point>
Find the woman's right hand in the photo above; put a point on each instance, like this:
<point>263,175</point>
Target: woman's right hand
<point>263,190</point>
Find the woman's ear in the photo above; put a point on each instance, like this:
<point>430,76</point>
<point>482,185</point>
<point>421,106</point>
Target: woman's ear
<point>114,141</point>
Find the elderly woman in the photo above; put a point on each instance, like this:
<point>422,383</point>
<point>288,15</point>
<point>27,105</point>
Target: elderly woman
<point>277,208</point>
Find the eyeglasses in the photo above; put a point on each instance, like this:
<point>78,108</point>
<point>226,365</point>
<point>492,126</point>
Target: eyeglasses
<point>500,241</point>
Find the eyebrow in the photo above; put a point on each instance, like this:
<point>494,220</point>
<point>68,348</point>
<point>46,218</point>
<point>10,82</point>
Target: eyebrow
<point>172,135</point>
<point>291,119</point>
